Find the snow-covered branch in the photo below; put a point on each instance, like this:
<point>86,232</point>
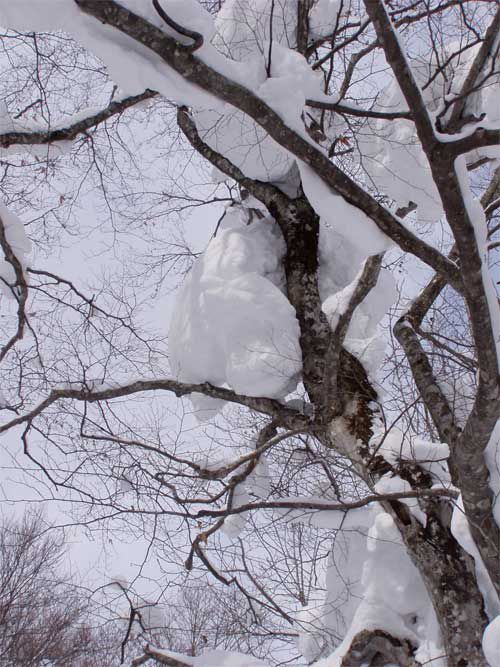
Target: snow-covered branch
<point>15,284</point>
<point>196,71</point>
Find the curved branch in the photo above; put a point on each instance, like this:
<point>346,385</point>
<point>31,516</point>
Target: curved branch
<point>195,36</point>
<point>325,505</point>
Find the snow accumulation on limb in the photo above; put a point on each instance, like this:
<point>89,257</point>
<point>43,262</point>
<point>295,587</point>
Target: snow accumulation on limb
<point>162,657</point>
<point>227,83</point>
<point>213,658</point>
<point>13,282</point>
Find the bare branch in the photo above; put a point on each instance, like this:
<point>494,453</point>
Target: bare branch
<point>264,405</point>
<point>71,131</point>
<point>182,30</point>
<point>339,107</point>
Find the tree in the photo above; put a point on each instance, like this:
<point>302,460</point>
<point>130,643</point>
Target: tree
<point>44,617</point>
<point>350,141</point>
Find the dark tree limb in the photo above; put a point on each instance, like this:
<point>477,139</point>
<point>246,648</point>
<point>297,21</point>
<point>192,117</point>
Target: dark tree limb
<point>19,290</point>
<point>197,72</point>
<point>182,30</point>
<point>72,130</point>
<point>341,108</point>
<point>303,9</point>
<point>268,406</point>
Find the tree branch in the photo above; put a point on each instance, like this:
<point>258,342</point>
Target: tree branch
<point>72,130</point>
<point>267,406</point>
<point>339,107</point>
<point>19,289</point>
<point>324,505</point>
<point>199,73</point>
<point>455,122</point>
<point>161,657</point>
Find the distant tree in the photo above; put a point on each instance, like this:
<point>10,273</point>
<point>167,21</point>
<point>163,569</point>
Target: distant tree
<point>45,618</point>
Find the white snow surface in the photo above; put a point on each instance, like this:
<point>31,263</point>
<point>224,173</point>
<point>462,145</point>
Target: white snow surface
<point>324,15</point>
<point>491,642</point>
<point>393,599</point>
<point>20,245</point>
<point>345,219</point>
<point>394,445</point>
<point>461,532</point>
<point>232,324</point>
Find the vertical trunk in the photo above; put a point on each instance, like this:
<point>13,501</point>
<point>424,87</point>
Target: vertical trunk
<point>449,577</point>
<point>446,569</point>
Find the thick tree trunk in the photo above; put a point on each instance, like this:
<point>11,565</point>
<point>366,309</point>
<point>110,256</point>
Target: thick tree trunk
<point>449,577</point>
<point>446,569</point>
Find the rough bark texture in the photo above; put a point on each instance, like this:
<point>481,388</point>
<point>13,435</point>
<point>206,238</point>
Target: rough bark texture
<point>376,648</point>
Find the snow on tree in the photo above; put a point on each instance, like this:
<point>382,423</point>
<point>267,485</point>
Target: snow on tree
<point>355,146</point>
